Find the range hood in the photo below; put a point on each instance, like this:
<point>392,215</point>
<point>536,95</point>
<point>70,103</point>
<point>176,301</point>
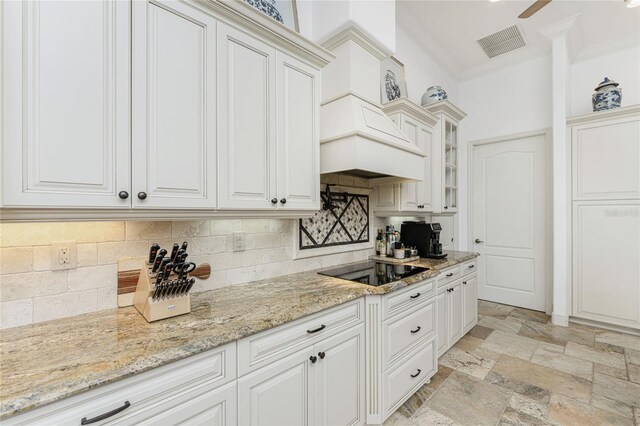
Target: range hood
<point>356,136</point>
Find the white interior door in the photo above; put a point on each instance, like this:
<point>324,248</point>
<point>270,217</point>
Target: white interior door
<point>508,225</point>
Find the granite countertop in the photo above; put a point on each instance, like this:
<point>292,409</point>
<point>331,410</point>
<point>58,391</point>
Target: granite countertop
<point>46,362</point>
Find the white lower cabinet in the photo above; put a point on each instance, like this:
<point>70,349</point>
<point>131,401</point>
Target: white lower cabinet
<point>320,385</point>
<point>200,389</point>
<point>457,304</point>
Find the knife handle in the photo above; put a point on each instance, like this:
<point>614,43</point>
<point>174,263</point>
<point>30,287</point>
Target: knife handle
<point>184,245</point>
<point>174,251</point>
<point>167,270</point>
<point>191,282</point>
<point>153,251</point>
<point>159,277</point>
<point>158,260</point>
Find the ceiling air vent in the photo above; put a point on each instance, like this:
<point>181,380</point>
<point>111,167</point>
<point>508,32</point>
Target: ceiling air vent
<point>502,42</point>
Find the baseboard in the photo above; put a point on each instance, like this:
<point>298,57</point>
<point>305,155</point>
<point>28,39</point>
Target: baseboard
<point>606,326</point>
<point>559,319</point>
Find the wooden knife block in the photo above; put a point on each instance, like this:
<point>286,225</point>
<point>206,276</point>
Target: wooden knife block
<point>159,309</point>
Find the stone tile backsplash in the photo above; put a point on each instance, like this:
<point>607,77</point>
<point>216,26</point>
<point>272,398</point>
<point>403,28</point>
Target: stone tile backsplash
<point>31,292</point>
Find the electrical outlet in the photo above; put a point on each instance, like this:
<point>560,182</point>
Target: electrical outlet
<point>238,241</point>
<point>63,255</point>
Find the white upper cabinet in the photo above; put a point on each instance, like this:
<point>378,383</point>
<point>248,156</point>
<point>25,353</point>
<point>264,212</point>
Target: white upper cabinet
<point>409,198</point>
<point>445,151</point>
<point>298,134</point>
<point>269,135</point>
<point>66,136</point>
<point>123,109</point>
<point>174,106</point>
<point>247,114</point>
<point>606,156</point>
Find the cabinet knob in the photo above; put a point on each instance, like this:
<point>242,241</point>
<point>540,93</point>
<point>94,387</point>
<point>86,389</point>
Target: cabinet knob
<point>283,201</point>
<point>274,201</point>
<point>321,355</point>
<point>464,282</point>
<point>142,195</point>
<point>123,194</point>
<point>313,359</point>
<point>446,207</point>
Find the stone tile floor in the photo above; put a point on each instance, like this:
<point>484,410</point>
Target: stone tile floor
<point>516,368</point>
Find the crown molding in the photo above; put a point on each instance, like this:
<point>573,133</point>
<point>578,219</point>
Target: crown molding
<point>446,107</point>
<point>412,109</point>
<point>353,32</point>
<point>632,110</point>
<point>240,13</point>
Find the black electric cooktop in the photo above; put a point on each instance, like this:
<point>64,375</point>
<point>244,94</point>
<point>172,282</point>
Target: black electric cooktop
<point>373,273</point>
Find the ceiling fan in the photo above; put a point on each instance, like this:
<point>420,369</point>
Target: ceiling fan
<point>539,4</point>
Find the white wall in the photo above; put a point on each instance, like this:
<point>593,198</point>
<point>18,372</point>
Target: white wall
<point>507,101</point>
<point>421,70</point>
<point>622,66</point>
<point>320,20</point>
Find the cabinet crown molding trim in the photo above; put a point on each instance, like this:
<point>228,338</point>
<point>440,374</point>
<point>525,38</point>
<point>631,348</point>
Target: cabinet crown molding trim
<point>239,12</point>
<point>604,115</point>
<point>446,107</point>
<point>353,33</point>
<point>412,109</point>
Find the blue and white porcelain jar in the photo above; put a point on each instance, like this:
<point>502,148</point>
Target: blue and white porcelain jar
<point>433,94</point>
<point>607,96</point>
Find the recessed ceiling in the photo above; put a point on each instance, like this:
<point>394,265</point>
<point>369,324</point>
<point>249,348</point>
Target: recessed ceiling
<point>449,30</point>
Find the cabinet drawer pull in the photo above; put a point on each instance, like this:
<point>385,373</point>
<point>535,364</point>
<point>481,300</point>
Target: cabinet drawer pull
<point>322,327</point>
<point>86,421</point>
<point>413,376</point>
<point>472,266</point>
<point>415,296</point>
<point>450,274</point>
<point>416,330</point>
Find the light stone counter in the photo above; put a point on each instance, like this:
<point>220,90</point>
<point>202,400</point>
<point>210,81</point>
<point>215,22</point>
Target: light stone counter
<point>46,362</point>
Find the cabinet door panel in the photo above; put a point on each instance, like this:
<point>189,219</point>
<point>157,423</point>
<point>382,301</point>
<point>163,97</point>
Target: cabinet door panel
<point>606,160</point>
<point>455,313</point>
<point>442,308</point>
<point>278,394</point>
<point>339,379</point>
<point>469,302</point>
<point>174,105</point>
<point>246,109</point>
<point>607,234</point>
<point>66,103</point>
<point>387,197</point>
<point>298,88</point>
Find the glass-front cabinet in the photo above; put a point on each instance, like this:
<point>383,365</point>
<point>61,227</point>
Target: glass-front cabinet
<point>445,153</point>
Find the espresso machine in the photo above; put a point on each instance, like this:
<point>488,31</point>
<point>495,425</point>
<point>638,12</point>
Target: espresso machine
<point>423,236</point>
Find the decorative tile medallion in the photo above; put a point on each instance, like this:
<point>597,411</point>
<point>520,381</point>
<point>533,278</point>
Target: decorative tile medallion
<point>346,223</point>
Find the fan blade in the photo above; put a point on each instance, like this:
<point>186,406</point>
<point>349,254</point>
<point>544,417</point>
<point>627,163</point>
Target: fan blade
<point>539,4</point>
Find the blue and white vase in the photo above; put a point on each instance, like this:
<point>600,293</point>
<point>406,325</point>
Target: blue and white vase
<point>607,96</point>
<point>433,94</point>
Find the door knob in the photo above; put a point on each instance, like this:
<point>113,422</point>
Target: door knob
<point>478,241</point>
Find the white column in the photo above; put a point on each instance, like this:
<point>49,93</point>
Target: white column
<point>561,170</point>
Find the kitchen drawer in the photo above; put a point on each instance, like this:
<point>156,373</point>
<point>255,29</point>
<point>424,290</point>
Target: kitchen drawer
<point>144,392</point>
<point>403,332</point>
<point>399,301</point>
<point>469,267</point>
<point>402,381</point>
<point>448,275</point>
<point>206,405</point>
<point>264,348</point>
